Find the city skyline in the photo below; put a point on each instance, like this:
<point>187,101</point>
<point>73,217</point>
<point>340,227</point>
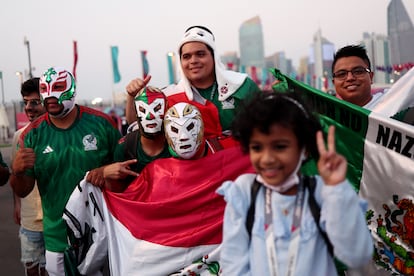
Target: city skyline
<point>132,27</point>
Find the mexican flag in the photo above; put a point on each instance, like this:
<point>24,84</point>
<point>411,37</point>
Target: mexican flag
<point>167,222</point>
<point>380,154</point>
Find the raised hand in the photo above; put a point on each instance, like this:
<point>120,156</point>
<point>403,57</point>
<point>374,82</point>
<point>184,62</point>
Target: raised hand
<point>331,165</point>
<point>137,85</point>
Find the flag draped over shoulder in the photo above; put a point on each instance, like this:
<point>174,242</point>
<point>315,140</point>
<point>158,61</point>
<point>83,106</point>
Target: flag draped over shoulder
<point>380,154</point>
<point>169,220</point>
<point>75,57</point>
<point>145,65</point>
<point>115,69</point>
<point>399,97</point>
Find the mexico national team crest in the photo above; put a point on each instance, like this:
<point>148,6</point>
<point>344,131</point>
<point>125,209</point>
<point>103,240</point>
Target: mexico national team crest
<point>394,235</point>
<point>89,142</point>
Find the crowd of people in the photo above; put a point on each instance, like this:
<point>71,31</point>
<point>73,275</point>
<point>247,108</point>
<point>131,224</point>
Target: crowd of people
<point>263,223</point>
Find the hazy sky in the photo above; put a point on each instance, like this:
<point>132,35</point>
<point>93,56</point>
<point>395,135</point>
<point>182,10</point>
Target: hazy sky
<point>157,26</point>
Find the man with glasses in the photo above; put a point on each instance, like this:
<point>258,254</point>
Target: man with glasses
<point>352,76</point>
<point>28,211</point>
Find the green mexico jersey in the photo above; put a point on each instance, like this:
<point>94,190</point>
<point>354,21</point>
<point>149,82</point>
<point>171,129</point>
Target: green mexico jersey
<point>142,158</point>
<point>63,156</point>
<point>228,107</point>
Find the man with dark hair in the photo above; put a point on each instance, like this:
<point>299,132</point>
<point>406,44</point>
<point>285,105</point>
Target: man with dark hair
<point>28,211</point>
<point>204,82</point>
<point>352,76</point>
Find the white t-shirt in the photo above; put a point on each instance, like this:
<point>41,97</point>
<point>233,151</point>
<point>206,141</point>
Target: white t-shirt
<point>373,102</point>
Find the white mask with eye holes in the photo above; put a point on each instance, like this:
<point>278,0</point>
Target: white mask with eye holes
<point>150,106</point>
<point>184,130</point>
<point>58,83</point>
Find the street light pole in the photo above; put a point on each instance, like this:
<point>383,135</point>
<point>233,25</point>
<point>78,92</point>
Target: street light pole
<point>27,43</point>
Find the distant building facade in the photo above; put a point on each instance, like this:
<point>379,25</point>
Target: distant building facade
<point>378,51</point>
<point>400,34</point>
<point>251,44</point>
<point>231,61</point>
<point>320,62</point>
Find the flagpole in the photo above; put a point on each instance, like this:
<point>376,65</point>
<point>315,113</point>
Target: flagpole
<point>113,78</point>
<point>113,96</point>
<point>2,88</point>
<point>117,76</point>
<point>27,43</point>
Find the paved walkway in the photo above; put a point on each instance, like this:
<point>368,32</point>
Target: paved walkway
<point>9,241</point>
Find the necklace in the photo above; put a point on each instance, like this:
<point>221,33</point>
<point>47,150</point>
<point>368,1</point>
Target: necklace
<point>295,237</point>
<point>213,91</point>
<point>206,93</point>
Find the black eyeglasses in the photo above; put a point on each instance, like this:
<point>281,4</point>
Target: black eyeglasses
<point>33,102</point>
<point>357,72</point>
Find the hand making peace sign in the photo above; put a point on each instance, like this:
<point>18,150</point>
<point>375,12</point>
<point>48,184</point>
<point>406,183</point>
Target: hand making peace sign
<point>331,165</point>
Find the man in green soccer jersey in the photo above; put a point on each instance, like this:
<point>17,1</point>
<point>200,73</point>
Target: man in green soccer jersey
<point>57,150</point>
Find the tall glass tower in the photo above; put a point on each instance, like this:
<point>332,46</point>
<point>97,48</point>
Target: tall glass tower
<point>400,33</point>
<point>251,43</point>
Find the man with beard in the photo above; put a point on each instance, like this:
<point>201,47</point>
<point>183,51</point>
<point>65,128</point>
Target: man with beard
<point>57,150</point>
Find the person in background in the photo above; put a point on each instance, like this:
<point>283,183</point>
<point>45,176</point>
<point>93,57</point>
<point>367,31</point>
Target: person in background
<point>116,119</point>
<point>57,150</point>
<point>28,211</point>
<point>279,133</point>
<point>4,171</point>
<point>204,81</point>
<point>352,76</point>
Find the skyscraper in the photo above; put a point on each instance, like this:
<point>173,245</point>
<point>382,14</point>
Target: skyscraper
<point>400,33</point>
<point>320,61</point>
<point>251,43</point>
<point>378,51</point>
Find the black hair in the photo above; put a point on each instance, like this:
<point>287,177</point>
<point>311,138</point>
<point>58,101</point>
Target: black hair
<point>352,51</point>
<point>265,109</point>
<point>205,29</point>
<point>30,86</point>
